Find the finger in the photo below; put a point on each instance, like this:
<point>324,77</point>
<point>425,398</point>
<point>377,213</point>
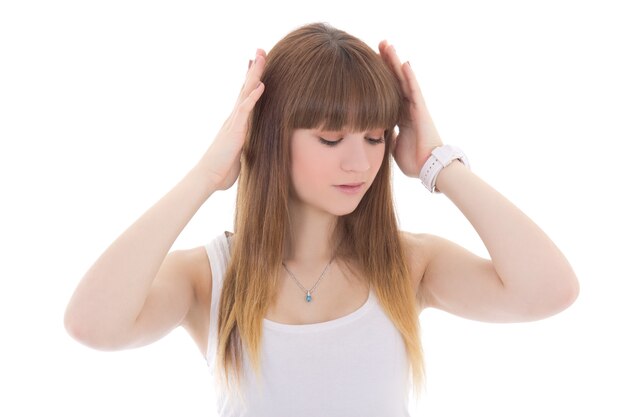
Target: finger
<point>396,66</point>
<point>254,96</point>
<point>393,62</point>
<point>382,45</point>
<point>259,51</point>
<point>407,78</point>
<point>412,84</point>
<point>381,49</point>
<point>246,106</point>
<point>250,62</point>
<point>253,77</point>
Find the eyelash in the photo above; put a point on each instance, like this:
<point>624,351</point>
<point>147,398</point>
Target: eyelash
<point>372,141</point>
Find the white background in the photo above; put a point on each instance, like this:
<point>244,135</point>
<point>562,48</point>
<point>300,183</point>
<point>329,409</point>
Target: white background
<point>105,106</point>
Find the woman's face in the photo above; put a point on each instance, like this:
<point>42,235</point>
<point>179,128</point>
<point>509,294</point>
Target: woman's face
<point>332,170</point>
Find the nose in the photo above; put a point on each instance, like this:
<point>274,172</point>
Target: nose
<point>355,157</point>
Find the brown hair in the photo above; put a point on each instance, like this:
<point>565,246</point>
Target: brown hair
<point>315,77</point>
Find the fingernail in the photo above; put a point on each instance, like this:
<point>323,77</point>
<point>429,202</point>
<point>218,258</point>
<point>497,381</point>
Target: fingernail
<point>408,63</point>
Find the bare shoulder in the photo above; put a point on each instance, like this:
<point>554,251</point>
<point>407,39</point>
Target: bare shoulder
<point>421,245</point>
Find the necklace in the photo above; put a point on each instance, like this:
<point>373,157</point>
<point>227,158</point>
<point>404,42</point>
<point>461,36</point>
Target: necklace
<point>308,292</point>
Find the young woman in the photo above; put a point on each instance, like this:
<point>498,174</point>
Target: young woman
<point>311,306</point>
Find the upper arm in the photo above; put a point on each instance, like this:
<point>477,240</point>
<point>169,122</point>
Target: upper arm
<point>178,292</point>
<point>457,281</point>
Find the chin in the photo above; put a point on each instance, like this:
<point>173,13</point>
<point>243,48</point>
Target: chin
<point>343,211</point>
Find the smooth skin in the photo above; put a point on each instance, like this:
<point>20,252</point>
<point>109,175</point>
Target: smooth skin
<point>137,292</point>
<point>527,277</point>
<point>321,161</point>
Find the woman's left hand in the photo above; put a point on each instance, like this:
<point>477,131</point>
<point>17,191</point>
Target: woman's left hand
<point>417,135</point>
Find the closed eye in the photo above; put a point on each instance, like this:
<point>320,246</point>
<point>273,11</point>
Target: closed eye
<point>330,142</point>
<point>376,141</point>
<point>373,141</point>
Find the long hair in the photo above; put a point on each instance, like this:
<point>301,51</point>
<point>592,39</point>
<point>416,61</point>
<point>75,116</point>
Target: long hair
<point>315,77</point>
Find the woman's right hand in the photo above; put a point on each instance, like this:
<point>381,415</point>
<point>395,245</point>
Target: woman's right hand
<point>221,162</point>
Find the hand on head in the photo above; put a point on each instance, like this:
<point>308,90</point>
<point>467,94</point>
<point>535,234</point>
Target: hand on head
<point>221,162</point>
<point>417,135</point>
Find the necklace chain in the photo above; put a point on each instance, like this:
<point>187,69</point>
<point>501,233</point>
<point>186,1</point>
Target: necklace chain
<point>308,292</point>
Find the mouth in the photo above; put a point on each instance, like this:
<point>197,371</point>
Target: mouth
<point>351,188</point>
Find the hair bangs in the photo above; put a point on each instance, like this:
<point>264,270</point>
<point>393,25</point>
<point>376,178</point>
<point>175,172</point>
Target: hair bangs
<point>349,90</point>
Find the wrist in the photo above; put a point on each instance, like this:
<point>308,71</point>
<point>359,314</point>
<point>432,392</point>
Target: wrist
<point>446,175</point>
<point>202,180</point>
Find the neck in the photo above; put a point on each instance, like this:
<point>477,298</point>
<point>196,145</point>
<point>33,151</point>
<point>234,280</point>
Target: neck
<point>311,231</point>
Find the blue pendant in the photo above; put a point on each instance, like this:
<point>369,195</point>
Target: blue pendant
<point>308,296</point>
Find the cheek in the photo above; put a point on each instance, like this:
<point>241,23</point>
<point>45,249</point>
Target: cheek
<point>376,158</point>
<point>309,168</point>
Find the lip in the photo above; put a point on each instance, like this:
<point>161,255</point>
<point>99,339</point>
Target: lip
<point>352,188</point>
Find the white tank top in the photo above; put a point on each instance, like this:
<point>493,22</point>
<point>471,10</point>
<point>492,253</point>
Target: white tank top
<point>355,365</point>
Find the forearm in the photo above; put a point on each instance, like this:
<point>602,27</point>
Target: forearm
<point>112,292</point>
<point>526,260</point>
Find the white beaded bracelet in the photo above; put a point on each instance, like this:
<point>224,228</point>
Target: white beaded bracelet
<point>440,158</point>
